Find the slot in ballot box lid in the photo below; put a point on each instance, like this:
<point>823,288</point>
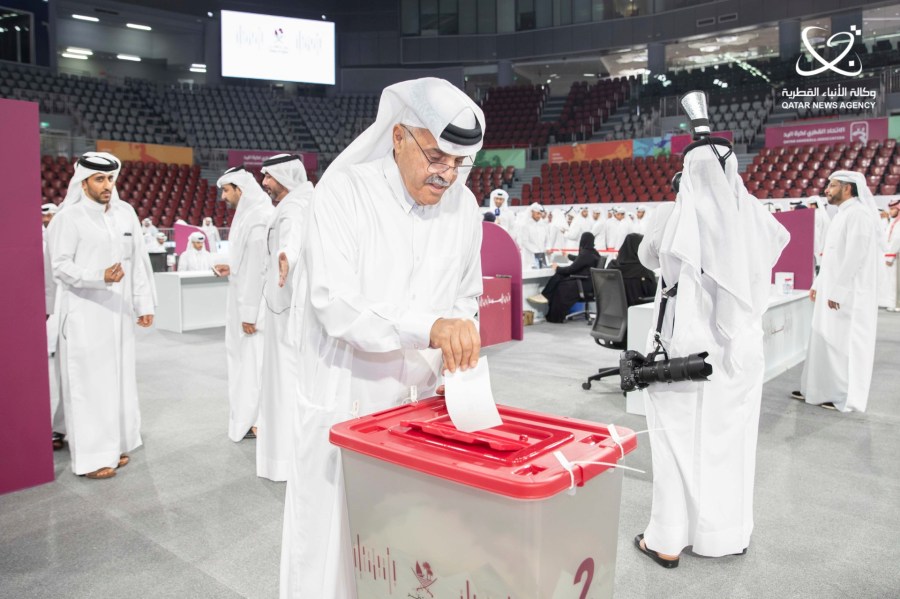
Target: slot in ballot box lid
<point>515,459</point>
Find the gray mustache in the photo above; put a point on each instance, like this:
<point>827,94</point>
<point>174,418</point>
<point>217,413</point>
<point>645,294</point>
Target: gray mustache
<point>435,180</point>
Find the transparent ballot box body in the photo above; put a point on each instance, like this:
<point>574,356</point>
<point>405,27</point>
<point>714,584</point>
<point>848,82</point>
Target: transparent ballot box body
<point>436,513</point>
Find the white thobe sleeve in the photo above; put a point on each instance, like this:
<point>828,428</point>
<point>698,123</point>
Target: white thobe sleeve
<point>62,242</point>
<point>289,234</point>
<point>251,276</point>
<point>471,284</point>
<point>143,287</point>
<point>648,251</point>
<point>49,283</point>
<point>893,245</point>
<point>859,245</point>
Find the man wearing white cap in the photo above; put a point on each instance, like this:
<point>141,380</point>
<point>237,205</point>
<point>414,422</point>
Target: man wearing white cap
<point>159,244</point>
<point>244,320</point>
<point>394,267</point>
<point>105,286</point>
<point>533,237</point>
<point>195,256</point>
<point>598,228</point>
<point>887,280</point>
<point>639,225</point>
<point>212,233</point>
<point>286,182</point>
<point>617,229</point>
<point>838,369</point>
<point>502,215</point>
<point>703,432</point>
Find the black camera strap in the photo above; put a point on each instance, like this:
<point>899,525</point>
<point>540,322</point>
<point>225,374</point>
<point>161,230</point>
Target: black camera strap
<point>666,293</point>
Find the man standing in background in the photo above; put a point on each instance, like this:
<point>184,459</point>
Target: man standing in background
<point>286,183</point>
<point>243,318</point>
<point>106,285</point>
<point>838,369</point>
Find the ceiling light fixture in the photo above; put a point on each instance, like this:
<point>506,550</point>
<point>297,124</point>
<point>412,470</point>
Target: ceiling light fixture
<point>84,51</point>
<point>84,18</point>
<point>130,57</point>
<point>197,70</point>
<point>78,56</point>
<point>136,26</point>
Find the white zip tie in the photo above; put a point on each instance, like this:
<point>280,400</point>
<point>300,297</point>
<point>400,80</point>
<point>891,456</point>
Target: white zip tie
<point>565,463</point>
<point>354,409</point>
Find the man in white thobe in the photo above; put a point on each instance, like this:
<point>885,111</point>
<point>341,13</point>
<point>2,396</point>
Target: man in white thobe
<point>718,244</point>
<point>822,220</point>
<point>159,244</point>
<point>286,183</point>
<point>639,225</point>
<point>887,280</point>
<point>212,234</point>
<point>149,231</point>
<point>195,257</point>
<point>394,268</point>
<point>580,224</point>
<point>106,285</point>
<point>598,228</point>
<point>617,229</point>
<point>244,319</point>
<point>838,369</point>
<point>51,301</point>
<point>503,216</point>
<point>533,237</point>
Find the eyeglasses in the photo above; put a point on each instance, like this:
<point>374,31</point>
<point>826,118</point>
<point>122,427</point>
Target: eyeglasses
<point>439,168</point>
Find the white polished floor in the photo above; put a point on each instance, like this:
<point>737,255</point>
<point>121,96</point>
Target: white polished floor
<point>189,518</point>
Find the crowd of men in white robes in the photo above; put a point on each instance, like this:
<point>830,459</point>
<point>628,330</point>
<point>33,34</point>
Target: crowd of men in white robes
<point>319,331</point>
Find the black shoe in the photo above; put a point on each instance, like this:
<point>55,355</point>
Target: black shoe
<point>828,406</point>
<point>665,563</point>
<point>798,395</point>
<point>250,434</point>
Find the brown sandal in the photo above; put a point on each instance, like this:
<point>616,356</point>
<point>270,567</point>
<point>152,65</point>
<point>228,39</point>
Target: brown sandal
<point>123,460</point>
<point>101,473</point>
<point>58,441</point>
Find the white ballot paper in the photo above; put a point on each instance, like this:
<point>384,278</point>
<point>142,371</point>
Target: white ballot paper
<point>469,399</point>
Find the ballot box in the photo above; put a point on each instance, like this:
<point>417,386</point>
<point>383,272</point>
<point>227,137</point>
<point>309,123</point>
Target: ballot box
<point>495,311</point>
<point>438,513</point>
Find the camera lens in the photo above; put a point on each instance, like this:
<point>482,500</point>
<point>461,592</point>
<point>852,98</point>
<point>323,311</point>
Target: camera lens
<point>690,368</point>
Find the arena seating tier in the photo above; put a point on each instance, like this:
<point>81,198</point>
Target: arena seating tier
<point>641,179</point>
<point>802,171</point>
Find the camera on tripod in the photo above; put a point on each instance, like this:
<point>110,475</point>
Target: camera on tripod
<point>638,371</point>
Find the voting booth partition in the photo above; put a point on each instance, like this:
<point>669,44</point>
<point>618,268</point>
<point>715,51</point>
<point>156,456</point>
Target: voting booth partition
<point>527,509</point>
<point>501,259</point>
<point>26,454</point>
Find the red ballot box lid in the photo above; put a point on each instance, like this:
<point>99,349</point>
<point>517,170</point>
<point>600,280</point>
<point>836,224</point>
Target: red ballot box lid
<point>515,459</point>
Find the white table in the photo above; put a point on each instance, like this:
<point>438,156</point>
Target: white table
<point>786,328</point>
<point>533,282</point>
<point>190,300</point>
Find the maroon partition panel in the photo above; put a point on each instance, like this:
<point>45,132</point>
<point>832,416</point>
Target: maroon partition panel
<point>500,257</point>
<point>26,454</point>
<point>494,315</point>
<point>798,257</point>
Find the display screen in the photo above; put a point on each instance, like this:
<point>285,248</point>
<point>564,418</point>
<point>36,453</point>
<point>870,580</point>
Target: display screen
<point>277,48</point>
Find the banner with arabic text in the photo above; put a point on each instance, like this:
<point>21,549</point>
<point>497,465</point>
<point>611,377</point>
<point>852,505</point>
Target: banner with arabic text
<point>254,158</point>
<point>861,130</point>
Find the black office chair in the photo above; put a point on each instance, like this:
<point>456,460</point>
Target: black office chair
<point>611,325</point>
<point>583,295</point>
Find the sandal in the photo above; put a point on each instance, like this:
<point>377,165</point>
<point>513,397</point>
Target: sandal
<point>123,461</point>
<point>58,441</point>
<point>101,473</point>
<point>665,563</point>
<point>251,434</point>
